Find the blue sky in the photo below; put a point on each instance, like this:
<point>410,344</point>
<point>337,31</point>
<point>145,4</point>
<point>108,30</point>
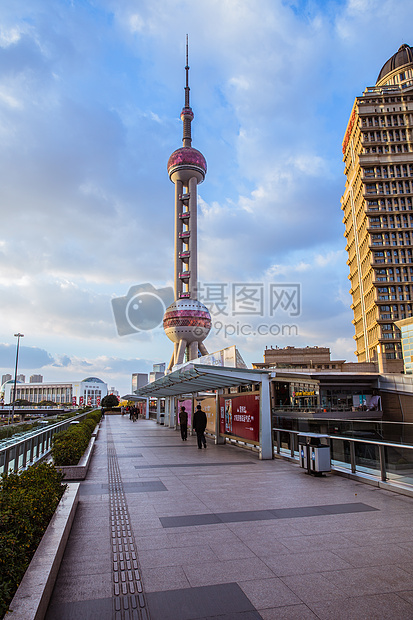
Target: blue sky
<point>90,98</point>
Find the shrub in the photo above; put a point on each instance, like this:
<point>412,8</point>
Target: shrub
<point>69,445</point>
<point>27,503</point>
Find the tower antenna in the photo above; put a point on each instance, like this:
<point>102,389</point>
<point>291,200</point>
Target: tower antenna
<point>187,89</point>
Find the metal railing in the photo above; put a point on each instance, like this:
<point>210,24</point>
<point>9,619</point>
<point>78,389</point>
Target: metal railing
<point>20,452</point>
<point>381,460</point>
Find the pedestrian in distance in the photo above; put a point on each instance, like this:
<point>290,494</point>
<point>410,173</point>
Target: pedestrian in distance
<point>183,421</point>
<point>199,424</point>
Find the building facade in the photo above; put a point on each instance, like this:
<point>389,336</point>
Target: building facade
<point>36,378</point>
<point>314,358</point>
<point>378,212</point>
<point>406,330</point>
<point>90,391</point>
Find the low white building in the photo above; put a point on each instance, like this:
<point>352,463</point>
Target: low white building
<point>90,391</point>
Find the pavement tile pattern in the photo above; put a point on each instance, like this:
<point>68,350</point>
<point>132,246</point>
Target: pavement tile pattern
<point>129,599</point>
<point>213,540</point>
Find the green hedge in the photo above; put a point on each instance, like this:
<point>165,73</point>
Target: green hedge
<point>68,446</point>
<point>27,503</point>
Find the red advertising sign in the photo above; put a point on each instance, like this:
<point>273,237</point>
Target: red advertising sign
<point>89,400</point>
<point>74,400</point>
<point>98,401</point>
<point>80,400</point>
<point>240,416</point>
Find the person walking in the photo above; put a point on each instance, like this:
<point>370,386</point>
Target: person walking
<point>199,424</point>
<point>183,421</point>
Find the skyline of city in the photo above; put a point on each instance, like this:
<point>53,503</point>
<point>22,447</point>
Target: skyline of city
<point>89,114</point>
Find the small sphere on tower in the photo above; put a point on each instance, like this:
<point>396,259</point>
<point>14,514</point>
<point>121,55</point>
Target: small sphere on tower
<point>187,319</point>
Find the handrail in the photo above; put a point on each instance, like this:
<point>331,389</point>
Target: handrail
<point>381,445</point>
<point>359,439</point>
<point>32,447</point>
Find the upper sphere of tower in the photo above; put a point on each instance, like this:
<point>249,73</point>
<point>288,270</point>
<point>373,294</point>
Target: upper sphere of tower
<point>187,162</point>
<point>403,57</point>
<point>187,113</point>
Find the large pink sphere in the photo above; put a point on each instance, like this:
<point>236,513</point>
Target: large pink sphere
<point>187,159</point>
<point>187,319</point>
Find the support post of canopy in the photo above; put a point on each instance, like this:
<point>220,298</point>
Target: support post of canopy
<point>171,412</point>
<point>266,449</point>
<point>218,438</point>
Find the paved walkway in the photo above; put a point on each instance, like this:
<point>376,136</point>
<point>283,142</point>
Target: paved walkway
<point>165,531</point>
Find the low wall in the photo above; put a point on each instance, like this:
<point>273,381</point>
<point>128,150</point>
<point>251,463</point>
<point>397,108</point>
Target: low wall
<point>33,594</point>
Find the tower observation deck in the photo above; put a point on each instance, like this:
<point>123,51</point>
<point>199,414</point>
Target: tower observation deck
<point>186,322</point>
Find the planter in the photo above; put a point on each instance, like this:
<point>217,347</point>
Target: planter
<point>33,594</point>
<point>79,471</point>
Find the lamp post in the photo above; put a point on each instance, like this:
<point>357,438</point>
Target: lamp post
<point>18,336</point>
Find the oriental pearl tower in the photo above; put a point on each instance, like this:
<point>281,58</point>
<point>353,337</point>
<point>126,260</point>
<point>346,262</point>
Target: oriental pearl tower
<point>186,321</point>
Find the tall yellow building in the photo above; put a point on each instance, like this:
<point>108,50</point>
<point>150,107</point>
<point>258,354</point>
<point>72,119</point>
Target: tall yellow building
<point>378,213</point>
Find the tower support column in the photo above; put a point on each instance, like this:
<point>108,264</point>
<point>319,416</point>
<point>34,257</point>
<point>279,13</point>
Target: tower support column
<point>178,241</point>
<point>193,241</point>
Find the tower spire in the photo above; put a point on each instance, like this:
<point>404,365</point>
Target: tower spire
<point>187,89</point>
<point>187,115</point>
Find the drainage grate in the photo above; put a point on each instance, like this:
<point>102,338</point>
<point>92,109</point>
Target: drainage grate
<point>129,602</point>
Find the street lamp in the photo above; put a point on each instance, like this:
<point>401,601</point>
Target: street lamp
<point>18,336</point>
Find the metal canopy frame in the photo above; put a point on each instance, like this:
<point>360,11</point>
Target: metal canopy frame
<point>133,397</point>
<point>201,378</point>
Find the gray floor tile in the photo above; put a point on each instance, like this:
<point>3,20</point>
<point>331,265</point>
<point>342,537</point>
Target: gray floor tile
<point>223,600</point>
<point>312,587</point>
<point>269,593</point>
<point>309,562</point>
<point>379,607</point>
<point>290,612</point>
<point>211,573</point>
<point>96,609</point>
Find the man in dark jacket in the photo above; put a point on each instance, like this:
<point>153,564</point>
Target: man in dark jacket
<point>199,424</point>
<point>183,421</point>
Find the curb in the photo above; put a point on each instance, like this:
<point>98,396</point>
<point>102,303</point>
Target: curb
<point>33,594</point>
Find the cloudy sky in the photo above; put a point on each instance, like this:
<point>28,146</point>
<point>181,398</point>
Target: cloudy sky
<point>90,98</point>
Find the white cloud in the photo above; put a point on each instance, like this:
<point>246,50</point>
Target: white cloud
<point>10,36</point>
<point>136,23</point>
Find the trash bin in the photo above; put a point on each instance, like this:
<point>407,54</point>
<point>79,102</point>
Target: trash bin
<point>162,418</point>
<point>314,450</point>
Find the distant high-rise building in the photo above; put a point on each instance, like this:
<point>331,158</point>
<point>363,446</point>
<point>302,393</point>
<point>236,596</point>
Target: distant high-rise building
<point>139,379</point>
<point>5,378</point>
<point>21,378</point>
<point>36,379</point>
<point>378,212</point>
